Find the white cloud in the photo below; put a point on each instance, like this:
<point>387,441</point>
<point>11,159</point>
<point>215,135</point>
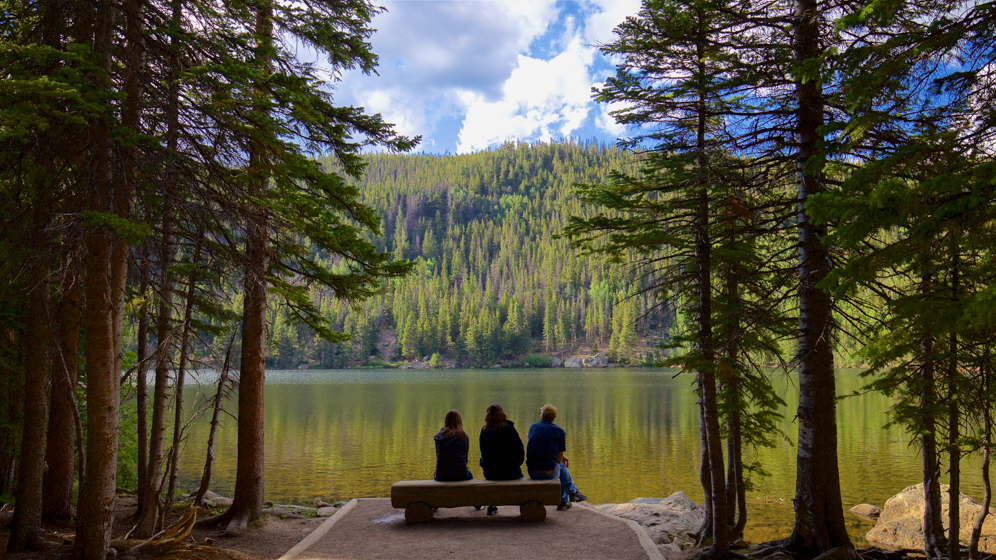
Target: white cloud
<point>611,13</point>
<point>606,122</point>
<point>478,72</point>
<point>541,99</point>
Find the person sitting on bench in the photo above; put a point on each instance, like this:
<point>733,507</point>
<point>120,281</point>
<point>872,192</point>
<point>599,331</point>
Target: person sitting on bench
<point>545,458</point>
<point>452,448</point>
<point>501,448</point>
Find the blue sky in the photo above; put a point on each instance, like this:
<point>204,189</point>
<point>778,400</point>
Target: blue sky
<point>471,74</point>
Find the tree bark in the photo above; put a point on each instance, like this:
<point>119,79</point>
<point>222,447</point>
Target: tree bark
<point>934,541</point>
<point>57,498</point>
<point>106,263</point>
<point>954,429</point>
<point>26,529</point>
<point>57,480</point>
<point>141,387</point>
<point>980,518</point>
<point>819,514</point>
<point>707,371</point>
<point>103,370</point>
<point>131,118</point>
<point>247,503</point>
<point>705,474</point>
<point>149,506</point>
<point>10,384</point>
<point>736,494</point>
<point>954,467</point>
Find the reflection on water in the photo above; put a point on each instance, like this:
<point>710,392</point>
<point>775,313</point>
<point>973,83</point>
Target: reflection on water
<point>630,433</point>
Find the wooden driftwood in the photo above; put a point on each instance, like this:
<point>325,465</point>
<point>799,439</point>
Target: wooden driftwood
<point>166,539</point>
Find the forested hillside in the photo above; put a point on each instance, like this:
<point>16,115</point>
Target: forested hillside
<point>493,281</point>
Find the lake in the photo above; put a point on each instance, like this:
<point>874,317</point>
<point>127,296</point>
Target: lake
<point>340,434</point>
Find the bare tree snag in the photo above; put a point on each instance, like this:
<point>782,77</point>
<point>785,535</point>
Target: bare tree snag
<point>165,540</point>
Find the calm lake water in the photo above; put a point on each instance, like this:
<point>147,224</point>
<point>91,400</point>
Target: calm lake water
<point>630,433</point>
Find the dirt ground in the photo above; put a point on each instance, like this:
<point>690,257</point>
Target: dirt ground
<point>376,530</point>
<point>373,530</point>
<point>266,539</point>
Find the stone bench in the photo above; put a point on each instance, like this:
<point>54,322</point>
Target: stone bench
<point>420,497</point>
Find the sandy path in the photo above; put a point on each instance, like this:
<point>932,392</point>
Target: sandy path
<point>375,530</point>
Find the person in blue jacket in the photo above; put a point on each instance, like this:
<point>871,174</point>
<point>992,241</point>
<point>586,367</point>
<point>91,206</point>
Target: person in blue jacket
<point>452,448</point>
<point>545,458</point>
<point>501,448</point>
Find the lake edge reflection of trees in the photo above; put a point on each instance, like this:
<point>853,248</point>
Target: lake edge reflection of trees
<point>154,168</point>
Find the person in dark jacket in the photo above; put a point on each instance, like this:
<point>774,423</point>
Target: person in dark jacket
<point>501,448</point>
<point>452,448</point>
<point>545,459</point>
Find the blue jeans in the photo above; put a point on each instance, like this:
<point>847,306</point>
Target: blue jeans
<point>560,471</point>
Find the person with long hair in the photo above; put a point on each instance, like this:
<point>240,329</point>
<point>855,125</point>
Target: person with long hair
<point>502,452</point>
<point>452,449</point>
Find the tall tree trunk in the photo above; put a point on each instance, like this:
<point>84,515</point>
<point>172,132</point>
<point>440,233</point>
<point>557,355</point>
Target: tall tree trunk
<point>819,514</point>
<point>740,496</point>
<point>707,371</point>
<point>146,525</point>
<point>705,472</point>
<point>954,428</point>
<point>26,529</point>
<point>131,118</point>
<point>954,474</point>
<point>106,263</point>
<point>10,384</point>
<point>57,480</point>
<point>102,378</point>
<point>980,518</point>
<point>141,386</point>
<point>934,542</point>
<point>736,494</point>
<point>247,503</point>
<point>150,508</point>
<point>57,498</point>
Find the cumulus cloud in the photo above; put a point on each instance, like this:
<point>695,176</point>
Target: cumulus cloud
<point>469,74</point>
<point>541,99</point>
<point>608,15</point>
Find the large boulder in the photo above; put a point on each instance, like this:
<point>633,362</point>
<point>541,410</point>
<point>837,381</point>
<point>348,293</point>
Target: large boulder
<point>900,526</point>
<point>666,520</point>
<point>211,499</point>
<point>415,364</point>
<point>573,362</point>
<point>599,360</point>
<point>555,362</point>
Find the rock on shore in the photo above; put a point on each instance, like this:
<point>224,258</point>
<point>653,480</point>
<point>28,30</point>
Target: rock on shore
<point>667,520</point>
<point>900,526</point>
<point>597,361</point>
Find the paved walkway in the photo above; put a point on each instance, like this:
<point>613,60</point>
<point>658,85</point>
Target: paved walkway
<point>368,529</point>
